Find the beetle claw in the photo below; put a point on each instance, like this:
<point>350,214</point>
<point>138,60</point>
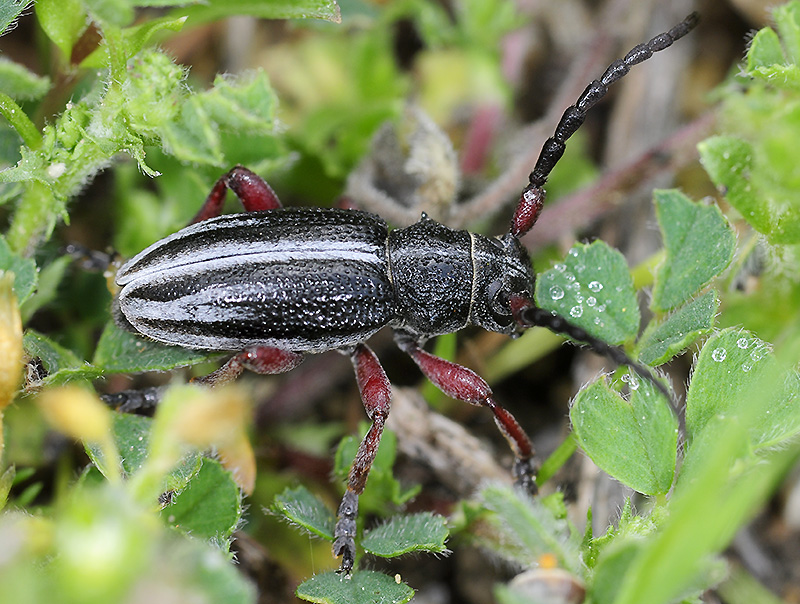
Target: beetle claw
<point>344,534</point>
<point>346,548</point>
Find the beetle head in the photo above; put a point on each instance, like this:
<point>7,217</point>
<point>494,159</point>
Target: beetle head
<point>503,273</point>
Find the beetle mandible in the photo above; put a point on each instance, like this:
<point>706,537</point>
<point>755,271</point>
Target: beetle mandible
<point>273,284</point>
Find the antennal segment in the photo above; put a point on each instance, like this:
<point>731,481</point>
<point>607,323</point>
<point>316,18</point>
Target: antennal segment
<point>532,197</point>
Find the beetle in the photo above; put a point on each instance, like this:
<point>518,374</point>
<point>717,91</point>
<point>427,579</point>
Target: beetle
<point>273,284</point>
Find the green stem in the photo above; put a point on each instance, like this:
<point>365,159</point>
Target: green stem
<point>557,459</point>
<point>33,219</point>
<point>533,345</point>
<point>20,122</point>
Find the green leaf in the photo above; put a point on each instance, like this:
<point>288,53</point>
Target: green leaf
<point>6,482</point>
<point>765,50</point>
<point>729,366</point>
<point>131,435</point>
<point>116,13</point>
<point>424,532</point>
<point>9,11</point>
<point>221,125</point>
<point>531,527</point>
<point>634,441</point>
<point>729,162</point>
<point>787,19</point>
<point>722,489</point>
<point>763,195</point>
<point>24,269</point>
<point>245,103</point>
<point>49,278</point>
<point>134,38</point>
<point>200,567</point>
<point>23,125</point>
<point>193,137</point>
<point>300,506</point>
<point>61,364</point>
<point>360,587</point>
<point>592,289</point>
<point>63,21</point>
<point>166,2</point>
<point>662,340</point>
<point>613,564</point>
<point>120,351</point>
<point>699,246</point>
<point>216,10</point>
<point>21,84</point>
<point>210,507</point>
<point>557,459</point>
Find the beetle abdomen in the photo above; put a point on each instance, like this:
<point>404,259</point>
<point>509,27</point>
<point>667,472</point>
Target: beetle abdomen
<point>302,280</point>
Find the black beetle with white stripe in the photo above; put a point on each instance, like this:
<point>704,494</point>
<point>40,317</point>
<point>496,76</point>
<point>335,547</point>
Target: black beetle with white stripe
<point>273,284</point>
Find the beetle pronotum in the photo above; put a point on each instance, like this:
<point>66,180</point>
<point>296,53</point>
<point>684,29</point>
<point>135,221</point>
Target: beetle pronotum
<point>273,284</point>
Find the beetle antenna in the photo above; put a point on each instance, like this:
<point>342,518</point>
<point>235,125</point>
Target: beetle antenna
<point>528,315</point>
<point>532,198</point>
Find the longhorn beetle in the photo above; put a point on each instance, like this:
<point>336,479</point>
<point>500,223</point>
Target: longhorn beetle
<point>275,283</point>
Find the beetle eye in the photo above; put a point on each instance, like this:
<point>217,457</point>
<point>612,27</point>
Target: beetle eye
<point>498,298</point>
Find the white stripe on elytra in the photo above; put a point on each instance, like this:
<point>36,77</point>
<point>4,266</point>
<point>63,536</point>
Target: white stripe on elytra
<point>233,252</point>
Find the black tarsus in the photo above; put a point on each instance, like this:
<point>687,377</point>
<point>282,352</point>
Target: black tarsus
<point>142,401</point>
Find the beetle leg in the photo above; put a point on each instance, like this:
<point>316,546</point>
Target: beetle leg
<point>376,394</point>
<point>252,190</point>
<point>465,385</point>
<point>258,359</point>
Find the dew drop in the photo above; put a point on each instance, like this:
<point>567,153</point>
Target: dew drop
<point>632,382</point>
<point>578,298</point>
<point>742,343</point>
<point>719,354</point>
<point>601,308</point>
<point>580,268</point>
<point>595,286</point>
<point>569,277</point>
<point>573,252</point>
<point>576,311</point>
<point>556,293</point>
<point>560,267</point>
<point>746,367</point>
<point>757,355</point>
<point>591,300</point>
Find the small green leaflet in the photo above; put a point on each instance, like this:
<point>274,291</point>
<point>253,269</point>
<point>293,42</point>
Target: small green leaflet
<point>360,587</point>
<point>699,244</point>
<point>424,532</point>
<point>592,289</point>
<point>663,340</point>
<point>635,440</point>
